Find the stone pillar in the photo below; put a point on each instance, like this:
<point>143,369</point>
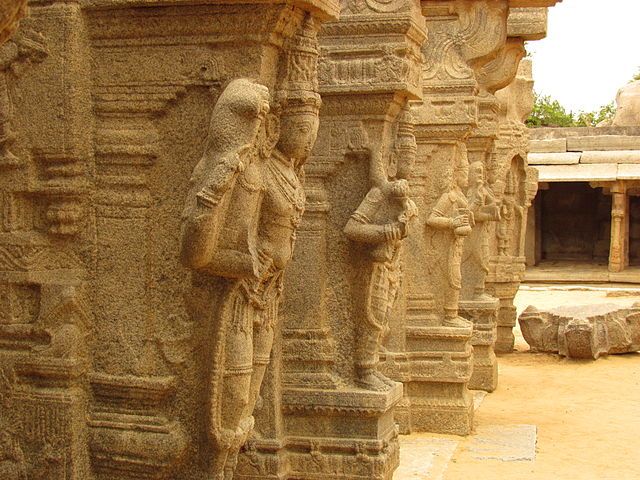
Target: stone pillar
<point>45,324</point>
<point>433,356</point>
<point>513,183</point>
<point>337,427</point>
<point>619,251</point>
<point>476,304</point>
<point>104,112</point>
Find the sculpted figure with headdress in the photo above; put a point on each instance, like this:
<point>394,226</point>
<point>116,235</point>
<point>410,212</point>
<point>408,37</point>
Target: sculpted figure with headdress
<point>381,222</point>
<point>239,227</point>
<point>483,205</point>
<point>452,217</point>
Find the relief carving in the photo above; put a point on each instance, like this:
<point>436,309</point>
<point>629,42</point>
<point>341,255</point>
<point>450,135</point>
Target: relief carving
<point>25,47</point>
<point>239,227</point>
<point>452,218</point>
<point>380,223</point>
<point>482,204</point>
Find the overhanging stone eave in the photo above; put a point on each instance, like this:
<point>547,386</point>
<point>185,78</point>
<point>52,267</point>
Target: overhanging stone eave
<point>324,9</point>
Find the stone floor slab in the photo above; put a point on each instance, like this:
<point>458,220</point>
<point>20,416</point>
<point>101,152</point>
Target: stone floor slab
<point>507,443</point>
<point>478,397</point>
<point>424,458</point>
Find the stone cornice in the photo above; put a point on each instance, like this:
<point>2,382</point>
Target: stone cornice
<point>527,23</point>
<point>323,9</point>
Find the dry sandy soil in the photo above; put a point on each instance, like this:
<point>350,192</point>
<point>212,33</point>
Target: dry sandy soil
<point>586,414</point>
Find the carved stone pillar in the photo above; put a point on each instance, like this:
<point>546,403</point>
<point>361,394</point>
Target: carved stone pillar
<point>369,66</point>
<point>476,304</point>
<point>514,184</point>
<point>433,355</point>
<point>619,250</point>
<point>104,109</point>
<point>45,323</point>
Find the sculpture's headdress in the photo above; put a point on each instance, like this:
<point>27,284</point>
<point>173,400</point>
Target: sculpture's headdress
<point>298,89</point>
<point>405,138</point>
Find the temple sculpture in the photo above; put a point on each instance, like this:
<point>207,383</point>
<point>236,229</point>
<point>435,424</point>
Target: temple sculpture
<point>237,238</point>
<point>514,184</point>
<point>381,222</point>
<point>452,216</point>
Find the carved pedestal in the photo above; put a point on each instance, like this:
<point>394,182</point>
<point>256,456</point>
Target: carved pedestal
<point>347,433</point>
<point>138,441</point>
<point>484,315</point>
<point>52,409</point>
<point>435,372</point>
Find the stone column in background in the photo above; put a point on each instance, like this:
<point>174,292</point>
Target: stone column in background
<point>619,251</point>
<point>339,411</point>
<point>513,182</point>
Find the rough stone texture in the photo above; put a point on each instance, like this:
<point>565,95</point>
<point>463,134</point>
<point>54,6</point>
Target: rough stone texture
<point>429,343</point>
<point>112,354</point>
<point>583,331</point>
<point>345,281</point>
<point>578,173</point>
<point>628,106</point>
<point>611,156</point>
<point>603,142</point>
<point>548,146</point>
<point>559,158</point>
<point>515,185</point>
<point>11,11</point>
<point>157,167</point>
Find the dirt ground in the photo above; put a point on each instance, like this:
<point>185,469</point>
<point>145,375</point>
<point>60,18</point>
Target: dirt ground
<point>585,415</point>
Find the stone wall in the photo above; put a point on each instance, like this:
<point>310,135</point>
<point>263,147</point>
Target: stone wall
<point>193,287</point>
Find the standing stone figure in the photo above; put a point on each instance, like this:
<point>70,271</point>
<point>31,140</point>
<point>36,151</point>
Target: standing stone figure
<point>239,226</point>
<point>381,222</point>
<point>483,205</point>
<point>26,45</point>
<point>510,212</point>
<point>452,216</point>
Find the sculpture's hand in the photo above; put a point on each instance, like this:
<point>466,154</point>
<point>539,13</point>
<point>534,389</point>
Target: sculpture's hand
<point>460,221</point>
<point>263,265</point>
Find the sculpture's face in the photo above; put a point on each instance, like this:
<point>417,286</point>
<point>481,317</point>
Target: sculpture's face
<point>461,176</point>
<point>406,161</point>
<point>477,175</point>
<point>298,132</point>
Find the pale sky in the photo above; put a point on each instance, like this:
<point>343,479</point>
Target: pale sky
<point>591,50</point>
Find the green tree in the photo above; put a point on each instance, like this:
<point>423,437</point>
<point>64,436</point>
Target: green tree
<point>593,119</point>
<point>548,112</point>
<point>636,77</point>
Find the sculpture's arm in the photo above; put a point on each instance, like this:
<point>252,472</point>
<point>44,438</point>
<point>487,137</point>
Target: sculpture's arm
<point>367,233</point>
<point>439,220</point>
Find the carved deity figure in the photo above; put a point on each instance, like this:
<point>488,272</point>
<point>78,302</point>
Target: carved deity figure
<point>26,45</point>
<point>483,205</point>
<point>452,216</point>
<point>239,226</point>
<point>381,222</point>
<point>510,211</point>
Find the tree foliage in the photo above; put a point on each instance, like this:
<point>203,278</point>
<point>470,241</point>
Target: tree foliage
<point>548,112</point>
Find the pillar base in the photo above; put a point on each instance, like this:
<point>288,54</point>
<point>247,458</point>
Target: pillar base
<point>484,315</point>
<point>346,434</point>
<point>435,371</point>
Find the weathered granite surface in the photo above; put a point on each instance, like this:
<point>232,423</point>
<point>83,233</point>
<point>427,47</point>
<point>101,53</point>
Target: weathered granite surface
<point>232,235</point>
<point>582,331</point>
